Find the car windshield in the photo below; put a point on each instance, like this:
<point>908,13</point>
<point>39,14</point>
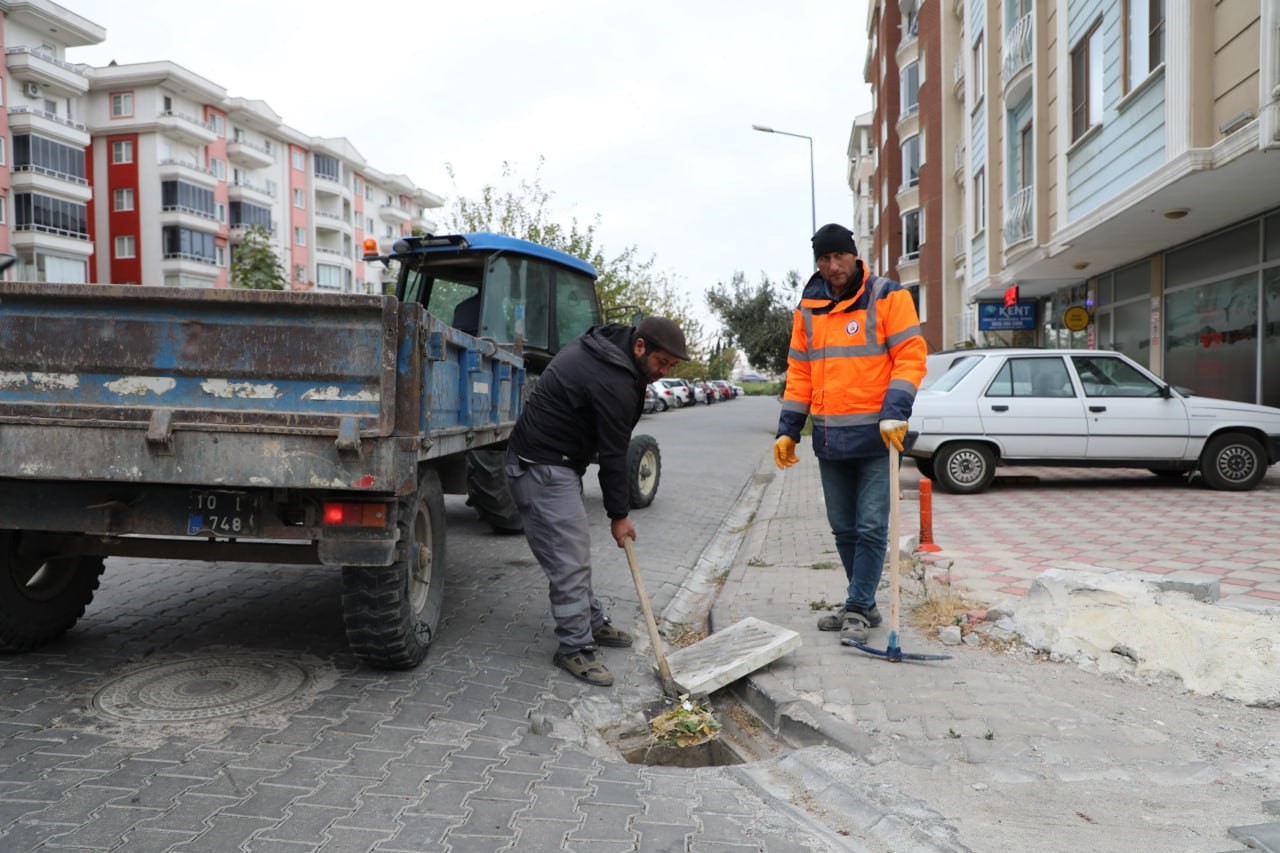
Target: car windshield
<point>952,375</point>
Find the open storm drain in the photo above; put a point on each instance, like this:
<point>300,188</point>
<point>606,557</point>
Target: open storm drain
<point>199,689</point>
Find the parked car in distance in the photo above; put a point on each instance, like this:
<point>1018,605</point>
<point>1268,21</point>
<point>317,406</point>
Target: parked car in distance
<point>651,401</point>
<point>1081,408</point>
<point>725,389</point>
<point>684,394</point>
<point>666,398</point>
<point>699,393</point>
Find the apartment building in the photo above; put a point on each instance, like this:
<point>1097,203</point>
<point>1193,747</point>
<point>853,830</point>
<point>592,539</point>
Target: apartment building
<point>1120,156</point>
<point>152,174</point>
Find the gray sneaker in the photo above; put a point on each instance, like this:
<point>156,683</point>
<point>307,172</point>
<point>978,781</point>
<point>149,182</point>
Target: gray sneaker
<point>856,627</point>
<point>835,621</point>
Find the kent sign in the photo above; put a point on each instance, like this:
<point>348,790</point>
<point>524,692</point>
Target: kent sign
<point>998,317</point>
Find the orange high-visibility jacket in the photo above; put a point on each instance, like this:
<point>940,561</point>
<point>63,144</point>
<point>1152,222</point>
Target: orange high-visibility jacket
<point>852,363</point>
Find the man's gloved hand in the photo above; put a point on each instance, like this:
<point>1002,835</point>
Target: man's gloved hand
<point>893,432</point>
<point>784,451</point>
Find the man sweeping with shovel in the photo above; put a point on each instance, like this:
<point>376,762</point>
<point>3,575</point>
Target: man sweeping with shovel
<point>855,363</point>
<point>585,405</point>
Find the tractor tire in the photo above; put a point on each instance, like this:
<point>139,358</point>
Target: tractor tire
<point>644,470</point>
<point>488,492</point>
<point>41,595</point>
<point>390,612</point>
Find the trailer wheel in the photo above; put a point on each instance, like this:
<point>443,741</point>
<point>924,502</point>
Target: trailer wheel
<point>41,595</point>
<point>488,492</point>
<point>390,612</point>
<point>644,470</point>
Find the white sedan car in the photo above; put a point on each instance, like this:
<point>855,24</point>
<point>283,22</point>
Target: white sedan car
<point>1080,408</point>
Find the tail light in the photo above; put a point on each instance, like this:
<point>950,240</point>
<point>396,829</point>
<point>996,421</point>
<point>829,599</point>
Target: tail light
<point>352,514</point>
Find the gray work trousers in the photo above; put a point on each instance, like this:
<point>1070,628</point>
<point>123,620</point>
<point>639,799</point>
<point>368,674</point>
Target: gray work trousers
<point>549,498</point>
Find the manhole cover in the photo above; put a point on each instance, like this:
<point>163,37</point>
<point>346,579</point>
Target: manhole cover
<point>199,689</point>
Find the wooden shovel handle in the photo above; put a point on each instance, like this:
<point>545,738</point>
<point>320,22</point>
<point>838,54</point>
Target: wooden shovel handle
<point>664,670</point>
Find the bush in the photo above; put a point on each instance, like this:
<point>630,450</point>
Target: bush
<point>762,389</point>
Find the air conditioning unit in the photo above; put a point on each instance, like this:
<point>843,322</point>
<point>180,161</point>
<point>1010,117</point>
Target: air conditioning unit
<point>31,90</point>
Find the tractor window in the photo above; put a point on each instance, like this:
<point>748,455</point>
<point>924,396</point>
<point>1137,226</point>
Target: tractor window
<point>576,306</point>
<point>516,300</point>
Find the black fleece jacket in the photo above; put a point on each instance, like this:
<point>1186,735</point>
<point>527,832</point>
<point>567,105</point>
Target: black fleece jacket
<point>584,406</point>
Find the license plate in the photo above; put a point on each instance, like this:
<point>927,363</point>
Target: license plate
<point>219,513</point>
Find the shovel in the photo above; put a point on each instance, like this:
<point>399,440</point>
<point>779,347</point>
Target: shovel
<point>664,668</point>
<point>893,652</point>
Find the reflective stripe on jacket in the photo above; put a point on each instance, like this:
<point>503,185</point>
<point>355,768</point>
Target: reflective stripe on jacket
<point>852,362</point>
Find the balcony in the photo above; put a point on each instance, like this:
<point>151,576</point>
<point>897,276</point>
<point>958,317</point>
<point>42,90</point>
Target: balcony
<point>957,78</point>
<point>185,170</point>
<point>327,255</point>
<point>186,129</point>
<point>180,264</point>
<point>38,179</point>
<point>961,244</point>
<point>962,161</point>
<point>188,217</point>
<point>31,66</point>
<point>1018,216</point>
<point>49,125</point>
<point>34,238</point>
<point>1017,52</point>
<point>326,221</point>
<point>325,185</point>
<point>245,153</point>
<point>391,213</point>
<point>245,190</point>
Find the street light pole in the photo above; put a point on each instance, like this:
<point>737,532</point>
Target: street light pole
<point>813,205</point>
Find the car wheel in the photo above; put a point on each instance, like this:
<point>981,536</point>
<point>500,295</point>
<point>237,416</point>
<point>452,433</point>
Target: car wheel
<point>925,467</point>
<point>964,468</point>
<point>1233,462</point>
<point>662,405</point>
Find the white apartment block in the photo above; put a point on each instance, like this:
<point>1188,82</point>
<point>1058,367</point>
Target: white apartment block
<point>152,174</point>
<point>1122,156</point>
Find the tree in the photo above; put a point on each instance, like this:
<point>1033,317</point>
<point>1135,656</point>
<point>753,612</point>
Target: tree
<point>757,319</point>
<point>624,280</point>
<point>254,264</point>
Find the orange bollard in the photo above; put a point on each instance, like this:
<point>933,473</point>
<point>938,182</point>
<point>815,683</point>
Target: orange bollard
<point>926,517</point>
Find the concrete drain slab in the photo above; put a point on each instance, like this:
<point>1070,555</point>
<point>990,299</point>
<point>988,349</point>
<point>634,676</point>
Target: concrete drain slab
<point>199,689</point>
<point>727,655</point>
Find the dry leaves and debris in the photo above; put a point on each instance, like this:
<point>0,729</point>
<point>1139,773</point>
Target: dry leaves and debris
<point>689,723</point>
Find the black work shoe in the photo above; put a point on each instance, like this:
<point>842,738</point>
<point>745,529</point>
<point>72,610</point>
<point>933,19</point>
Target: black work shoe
<point>584,665</point>
<point>614,638</point>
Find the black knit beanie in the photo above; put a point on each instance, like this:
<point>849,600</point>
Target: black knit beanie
<point>833,238</point>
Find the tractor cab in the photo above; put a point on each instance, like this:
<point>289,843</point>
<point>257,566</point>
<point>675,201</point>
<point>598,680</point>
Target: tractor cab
<point>508,290</point>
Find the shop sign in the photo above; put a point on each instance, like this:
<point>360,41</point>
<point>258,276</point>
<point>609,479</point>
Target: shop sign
<point>998,317</point>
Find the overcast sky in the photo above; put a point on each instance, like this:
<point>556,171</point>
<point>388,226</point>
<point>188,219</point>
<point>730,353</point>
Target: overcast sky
<point>642,112</point>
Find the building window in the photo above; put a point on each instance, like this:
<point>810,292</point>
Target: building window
<point>920,296</point>
<point>299,159</point>
<point>4,206</point>
<point>271,187</point>
<point>329,276</point>
<point>220,255</point>
<point>1143,40</point>
<point>244,215</point>
<point>36,212</point>
<point>979,201</point>
<point>4,152</point>
<point>1086,82</point>
<point>33,153</point>
<point>218,167</point>
<point>125,247</point>
<point>1026,156</point>
<point>188,244</point>
<point>122,199</point>
<point>187,198</point>
<point>299,236</point>
<point>911,88</point>
<point>121,104</point>
<point>299,198</point>
<point>218,124</point>
<point>122,151</point>
<point>327,167</point>
<point>221,215</point>
<point>979,69</point>
<point>911,235</point>
<point>911,161</point>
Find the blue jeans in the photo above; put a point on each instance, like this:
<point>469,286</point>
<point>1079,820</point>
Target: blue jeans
<point>857,497</point>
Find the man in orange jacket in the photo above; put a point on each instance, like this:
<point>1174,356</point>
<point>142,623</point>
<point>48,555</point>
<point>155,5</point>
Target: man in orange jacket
<point>855,363</point>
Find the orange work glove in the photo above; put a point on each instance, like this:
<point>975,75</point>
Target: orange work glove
<point>893,432</point>
<point>784,451</point>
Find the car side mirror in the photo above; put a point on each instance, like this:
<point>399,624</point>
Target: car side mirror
<point>1166,392</point>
